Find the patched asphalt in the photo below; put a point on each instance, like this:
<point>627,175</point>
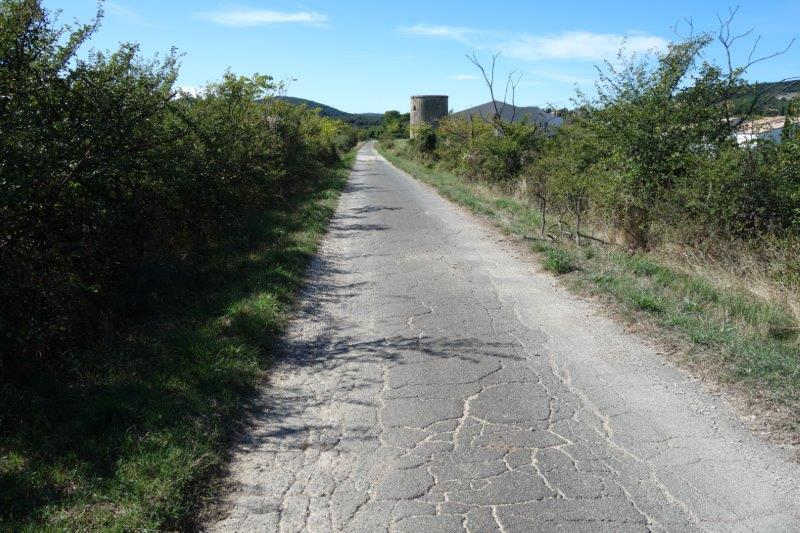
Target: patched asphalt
<point>433,380</point>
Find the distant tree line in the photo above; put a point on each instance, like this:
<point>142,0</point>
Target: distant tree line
<point>393,125</point>
<point>766,99</point>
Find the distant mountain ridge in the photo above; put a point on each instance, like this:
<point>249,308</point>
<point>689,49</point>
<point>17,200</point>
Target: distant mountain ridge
<point>774,100</point>
<point>531,114</point>
<point>358,119</point>
<point>774,97</point>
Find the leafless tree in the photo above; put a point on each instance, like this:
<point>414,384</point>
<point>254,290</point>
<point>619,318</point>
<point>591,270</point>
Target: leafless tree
<point>728,39</point>
<point>732,73</point>
<point>512,81</point>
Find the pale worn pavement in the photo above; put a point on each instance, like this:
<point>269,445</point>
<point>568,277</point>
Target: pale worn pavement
<point>434,381</point>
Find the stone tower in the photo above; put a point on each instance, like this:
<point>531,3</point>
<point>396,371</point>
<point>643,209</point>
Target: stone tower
<point>428,109</point>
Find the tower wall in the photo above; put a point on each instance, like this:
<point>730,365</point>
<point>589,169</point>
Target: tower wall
<point>427,109</point>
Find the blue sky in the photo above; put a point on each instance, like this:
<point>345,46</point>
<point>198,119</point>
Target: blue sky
<point>364,56</point>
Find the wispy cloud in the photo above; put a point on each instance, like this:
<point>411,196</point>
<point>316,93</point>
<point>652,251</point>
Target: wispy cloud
<point>456,33</point>
<point>262,17</point>
<point>463,77</point>
<point>562,77</point>
<point>581,45</point>
<point>569,45</point>
<point>118,10</point>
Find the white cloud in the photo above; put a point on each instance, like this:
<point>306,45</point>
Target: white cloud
<point>118,10</point>
<point>580,45</point>
<point>261,17</point>
<point>463,77</point>
<point>456,33</point>
<point>562,77</point>
<point>570,45</point>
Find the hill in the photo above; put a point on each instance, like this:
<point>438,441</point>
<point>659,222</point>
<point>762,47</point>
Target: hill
<point>357,119</point>
<point>773,97</point>
<point>508,112</point>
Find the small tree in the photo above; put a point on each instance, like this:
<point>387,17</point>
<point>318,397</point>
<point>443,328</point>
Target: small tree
<point>424,140</point>
<point>394,125</point>
<point>657,119</point>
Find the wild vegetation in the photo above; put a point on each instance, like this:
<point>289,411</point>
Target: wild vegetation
<point>645,196</point>
<point>393,125</point>
<point>151,245</point>
<point>653,157</point>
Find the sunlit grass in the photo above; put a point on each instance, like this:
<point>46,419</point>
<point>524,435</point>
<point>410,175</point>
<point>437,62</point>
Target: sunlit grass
<point>135,441</point>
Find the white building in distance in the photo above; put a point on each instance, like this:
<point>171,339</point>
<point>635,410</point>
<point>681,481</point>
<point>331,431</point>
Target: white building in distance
<point>760,129</point>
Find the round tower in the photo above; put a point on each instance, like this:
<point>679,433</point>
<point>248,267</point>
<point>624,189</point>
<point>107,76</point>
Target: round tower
<point>429,109</point>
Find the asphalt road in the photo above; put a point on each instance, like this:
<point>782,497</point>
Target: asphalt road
<point>435,381</point>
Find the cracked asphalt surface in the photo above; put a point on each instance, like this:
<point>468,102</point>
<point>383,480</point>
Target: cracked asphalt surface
<point>435,381</point>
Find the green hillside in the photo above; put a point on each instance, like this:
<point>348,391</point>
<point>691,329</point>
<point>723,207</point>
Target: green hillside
<point>771,98</point>
<point>357,119</point>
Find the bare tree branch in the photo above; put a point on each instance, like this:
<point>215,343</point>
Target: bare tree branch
<point>512,84</point>
<point>512,81</point>
<point>489,79</point>
<point>728,39</point>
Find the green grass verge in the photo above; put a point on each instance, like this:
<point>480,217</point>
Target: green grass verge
<point>558,261</point>
<point>739,338</point>
<point>136,441</point>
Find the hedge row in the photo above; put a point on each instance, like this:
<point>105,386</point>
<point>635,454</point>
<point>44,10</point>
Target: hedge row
<point>113,183</point>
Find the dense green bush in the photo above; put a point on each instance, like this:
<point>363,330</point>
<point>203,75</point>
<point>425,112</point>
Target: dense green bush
<point>112,183</point>
<point>423,141</point>
<point>656,154</point>
<point>747,192</point>
<point>558,261</point>
<point>653,156</point>
<point>480,149</point>
<point>394,125</point>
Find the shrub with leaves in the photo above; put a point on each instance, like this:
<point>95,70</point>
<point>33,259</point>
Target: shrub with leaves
<point>423,141</point>
<point>654,153</point>
<point>479,149</point>
<point>112,182</point>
